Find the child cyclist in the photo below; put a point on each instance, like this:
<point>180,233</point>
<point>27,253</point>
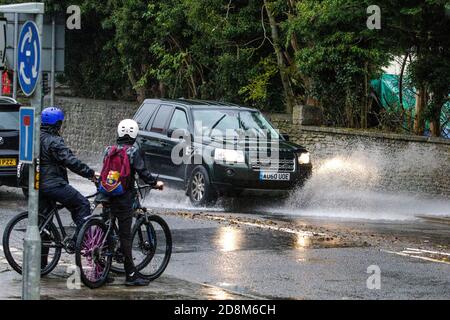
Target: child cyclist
<point>120,165</point>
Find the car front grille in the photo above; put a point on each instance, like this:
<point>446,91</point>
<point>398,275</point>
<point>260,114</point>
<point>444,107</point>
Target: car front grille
<point>280,165</point>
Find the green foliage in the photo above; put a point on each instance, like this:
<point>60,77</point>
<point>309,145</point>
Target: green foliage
<point>422,28</point>
<point>224,50</point>
<point>93,66</point>
<point>339,54</point>
<point>257,90</point>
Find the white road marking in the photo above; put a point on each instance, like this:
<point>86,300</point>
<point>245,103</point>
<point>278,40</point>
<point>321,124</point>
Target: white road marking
<point>428,251</point>
<point>407,253</point>
<point>274,228</point>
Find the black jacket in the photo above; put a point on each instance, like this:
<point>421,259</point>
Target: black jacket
<point>55,158</point>
<point>136,162</point>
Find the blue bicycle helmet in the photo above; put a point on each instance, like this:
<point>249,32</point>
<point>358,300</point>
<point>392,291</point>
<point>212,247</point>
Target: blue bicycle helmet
<point>51,116</point>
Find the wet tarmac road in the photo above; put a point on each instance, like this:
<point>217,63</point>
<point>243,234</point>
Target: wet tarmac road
<point>226,255</point>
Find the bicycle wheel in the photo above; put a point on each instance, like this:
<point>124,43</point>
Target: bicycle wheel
<point>118,258</point>
<point>152,246</point>
<point>13,241</point>
<point>92,254</point>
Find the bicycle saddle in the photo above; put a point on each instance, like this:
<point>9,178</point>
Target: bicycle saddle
<point>101,198</point>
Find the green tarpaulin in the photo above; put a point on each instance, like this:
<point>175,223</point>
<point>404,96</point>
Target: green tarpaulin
<point>387,90</point>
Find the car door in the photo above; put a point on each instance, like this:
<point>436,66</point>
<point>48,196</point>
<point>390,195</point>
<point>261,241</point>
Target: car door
<point>178,123</point>
<point>144,117</point>
<point>153,139</point>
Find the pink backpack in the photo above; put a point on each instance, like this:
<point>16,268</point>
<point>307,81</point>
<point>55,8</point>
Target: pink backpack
<point>115,172</point>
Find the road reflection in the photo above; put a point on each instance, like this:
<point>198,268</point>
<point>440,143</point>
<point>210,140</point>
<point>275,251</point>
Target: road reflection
<point>303,241</point>
<point>229,239</point>
<point>216,293</point>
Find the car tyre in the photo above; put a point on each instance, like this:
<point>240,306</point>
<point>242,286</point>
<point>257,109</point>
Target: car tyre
<point>200,190</point>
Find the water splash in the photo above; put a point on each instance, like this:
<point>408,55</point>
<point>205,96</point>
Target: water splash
<point>367,185</point>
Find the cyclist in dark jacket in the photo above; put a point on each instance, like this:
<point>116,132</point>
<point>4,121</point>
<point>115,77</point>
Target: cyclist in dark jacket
<point>55,159</point>
<point>122,206</point>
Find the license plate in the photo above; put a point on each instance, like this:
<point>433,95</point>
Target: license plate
<point>274,176</point>
<point>6,162</point>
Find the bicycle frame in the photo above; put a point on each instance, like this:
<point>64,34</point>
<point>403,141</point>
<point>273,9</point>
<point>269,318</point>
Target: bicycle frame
<point>54,212</point>
<point>49,214</point>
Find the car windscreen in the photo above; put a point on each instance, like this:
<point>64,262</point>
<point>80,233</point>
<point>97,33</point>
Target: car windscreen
<point>9,119</point>
<point>234,123</point>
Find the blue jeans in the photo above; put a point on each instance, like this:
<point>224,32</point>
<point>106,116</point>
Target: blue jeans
<point>70,198</point>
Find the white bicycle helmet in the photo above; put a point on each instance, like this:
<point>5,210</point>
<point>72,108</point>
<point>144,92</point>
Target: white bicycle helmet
<point>128,127</point>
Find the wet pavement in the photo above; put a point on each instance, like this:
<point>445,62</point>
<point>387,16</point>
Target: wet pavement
<point>228,254</point>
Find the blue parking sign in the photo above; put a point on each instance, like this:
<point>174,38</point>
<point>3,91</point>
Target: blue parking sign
<point>26,134</point>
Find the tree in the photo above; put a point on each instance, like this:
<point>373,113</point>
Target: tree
<point>269,54</point>
<point>422,28</point>
<point>287,88</point>
<point>339,55</point>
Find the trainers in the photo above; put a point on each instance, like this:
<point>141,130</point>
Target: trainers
<point>134,280</point>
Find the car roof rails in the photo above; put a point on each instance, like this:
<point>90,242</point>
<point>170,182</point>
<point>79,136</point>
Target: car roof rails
<point>4,99</point>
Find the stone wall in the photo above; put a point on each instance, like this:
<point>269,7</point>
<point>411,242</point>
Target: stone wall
<point>394,162</point>
<point>92,124</point>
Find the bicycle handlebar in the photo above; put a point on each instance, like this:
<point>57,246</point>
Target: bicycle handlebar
<point>137,186</point>
<point>145,186</point>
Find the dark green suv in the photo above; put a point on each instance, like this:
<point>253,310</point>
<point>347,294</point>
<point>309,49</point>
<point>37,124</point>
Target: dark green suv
<point>211,149</point>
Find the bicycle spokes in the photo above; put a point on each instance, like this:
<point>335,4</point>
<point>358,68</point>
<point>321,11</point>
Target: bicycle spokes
<point>93,253</point>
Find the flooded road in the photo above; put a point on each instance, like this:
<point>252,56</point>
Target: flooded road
<point>254,251</point>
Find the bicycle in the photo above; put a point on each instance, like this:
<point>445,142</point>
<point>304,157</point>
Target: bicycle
<point>54,239</point>
<point>98,244</point>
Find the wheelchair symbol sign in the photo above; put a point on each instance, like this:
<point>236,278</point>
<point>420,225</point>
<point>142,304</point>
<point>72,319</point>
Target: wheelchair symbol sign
<point>29,57</point>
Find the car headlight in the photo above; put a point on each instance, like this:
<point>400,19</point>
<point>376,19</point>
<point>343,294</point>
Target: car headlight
<point>228,155</point>
<point>304,158</point>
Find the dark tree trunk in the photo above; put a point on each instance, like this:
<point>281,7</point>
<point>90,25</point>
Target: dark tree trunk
<point>365,102</point>
<point>421,103</point>
<point>435,127</point>
<point>287,88</point>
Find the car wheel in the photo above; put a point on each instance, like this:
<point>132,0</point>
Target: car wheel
<point>200,190</point>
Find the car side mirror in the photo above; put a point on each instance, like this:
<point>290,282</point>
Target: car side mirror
<point>170,133</point>
<point>286,137</point>
<point>181,134</point>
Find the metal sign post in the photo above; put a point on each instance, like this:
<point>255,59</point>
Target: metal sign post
<point>32,259</point>
<point>30,77</point>
<point>16,31</point>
